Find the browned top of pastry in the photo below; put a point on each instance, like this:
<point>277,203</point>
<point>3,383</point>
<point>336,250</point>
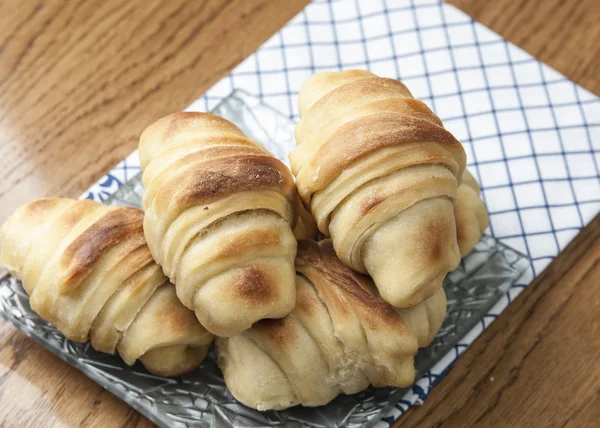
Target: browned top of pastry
<point>223,161</point>
<point>319,84</point>
<point>329,271</point>
<point>256,285</point>
<point>370,133</point>
<point>222,176</point>
<point>41,206</point>
<point>122,225</point>
<point>347,95</point>
<point>184,119</point>
<point>281,333</point>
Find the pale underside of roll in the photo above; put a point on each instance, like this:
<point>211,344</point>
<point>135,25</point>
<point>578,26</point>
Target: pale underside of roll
<point>219,214</point>
<point>380,175</point>
<point>341,337</point>
<point>89,272</point>
<point>472,218</point>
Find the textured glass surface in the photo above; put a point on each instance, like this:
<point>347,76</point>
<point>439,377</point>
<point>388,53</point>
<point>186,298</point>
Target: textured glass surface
<point>200,399</point>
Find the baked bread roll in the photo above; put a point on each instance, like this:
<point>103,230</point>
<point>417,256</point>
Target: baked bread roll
<point>88,271</point>
<point>340,337</point>
<point>425,318</point>
<point>471,216</point>
<point>306,228</point>
<point>380,175</point>
<point>219,214</point>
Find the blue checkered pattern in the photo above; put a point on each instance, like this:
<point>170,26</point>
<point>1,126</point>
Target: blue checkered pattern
<point>532,137</point>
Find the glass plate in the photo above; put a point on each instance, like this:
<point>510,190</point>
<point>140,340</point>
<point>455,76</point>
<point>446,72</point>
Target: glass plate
<point>200,399</point>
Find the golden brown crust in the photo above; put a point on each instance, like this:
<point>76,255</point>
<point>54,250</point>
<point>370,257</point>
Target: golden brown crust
<point>304,302</point>
<point>371,202</point>
<point>182,119</point>
<point>367,153</point>
<point>340,337</point>
<point>374,132</point>
<point>93,277</point>
<point>40,206</point>
<point>219,217</point>
<point>321,256</point>
<point>255,285</point>
<point>74,215</point>
<point>338,99</point>
<point>363,88</point>
<point>84,253</point>
<point>181,127</point>
<point>279,331</point>
<point>218,178</point>
<point>323,83</point>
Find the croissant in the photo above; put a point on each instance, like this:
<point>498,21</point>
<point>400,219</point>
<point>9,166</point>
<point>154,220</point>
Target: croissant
<point>471,216</point>
<point>219,214</point>
<point>88,271</point>
<point>380,175</point>
<point>340,337</point>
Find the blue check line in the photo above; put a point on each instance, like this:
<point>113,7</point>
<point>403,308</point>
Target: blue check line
<point>546,232</point>
<point>537,207</point>
<point>260,88</point>
<point>545,180</point>
<point>562,146</point>
<point>287,78</point>
<point>372,14</point>
<point>421,51</point>
<point>497,124</point>
<point>587,129</point>
<point>125,170</point>
<point>363,40</point>
<point>482,90</point>
<point>336,41</point>
<point>537,259</point>
<point>383,36</point>
<point>309,43</point>
<point>518,286</point>
<point>511,109</point>
<point>313,68</point>
<point>401,56</point>
<point>462,104</point>
<point>520,157</point>
<point>389,27</point>
<point>545,129</point>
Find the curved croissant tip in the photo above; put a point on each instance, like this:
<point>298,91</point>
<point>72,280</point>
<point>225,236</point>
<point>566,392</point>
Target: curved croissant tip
<point>319,84</point>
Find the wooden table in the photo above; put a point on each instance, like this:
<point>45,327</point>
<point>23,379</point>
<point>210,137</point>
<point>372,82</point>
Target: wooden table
<point>80,80</point>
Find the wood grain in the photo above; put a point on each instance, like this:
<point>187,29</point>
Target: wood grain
<point>79,80</point>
